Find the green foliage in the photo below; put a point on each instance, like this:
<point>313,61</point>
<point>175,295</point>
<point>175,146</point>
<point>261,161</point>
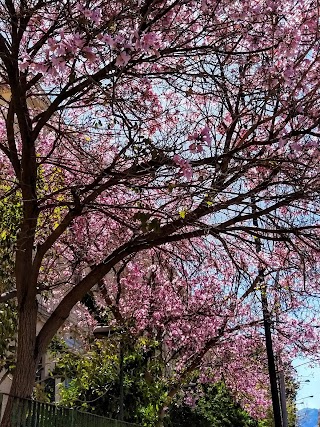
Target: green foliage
<point>268,420</point>
<point>292,413</point>
<point>214,408</point>
<point>8,328</point>
<point>10,216</point>
<point>94,386</point>
<point>88,375</point>
<point>94,379</point>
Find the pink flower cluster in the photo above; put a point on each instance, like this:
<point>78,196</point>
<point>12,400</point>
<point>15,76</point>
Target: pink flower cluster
<point>185,167</point>
<point>201,139</point>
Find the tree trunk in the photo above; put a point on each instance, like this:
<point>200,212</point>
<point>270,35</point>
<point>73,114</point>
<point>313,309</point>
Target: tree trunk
<point>27,359</point>
<point>161,416</point>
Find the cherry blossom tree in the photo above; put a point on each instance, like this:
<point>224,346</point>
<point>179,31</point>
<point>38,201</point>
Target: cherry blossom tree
<point>148,124</point>
<point>209,327</point>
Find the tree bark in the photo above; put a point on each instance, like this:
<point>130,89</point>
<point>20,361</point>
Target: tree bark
<point>27,361</point>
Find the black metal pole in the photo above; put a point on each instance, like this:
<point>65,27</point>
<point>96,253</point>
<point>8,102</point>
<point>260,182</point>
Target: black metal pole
<point>267,332</point>
<point>271,360</point>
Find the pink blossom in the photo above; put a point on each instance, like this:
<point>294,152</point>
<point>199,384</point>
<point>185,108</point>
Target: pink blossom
<point>122,59</point>
<point>109,41</point>
<point>205,135</point>
<point>24,65</point>
<point>150,41</point>
<point>77,40</point>
<point>196,148</point>
<point>52,43</point>
<point>89,54</point>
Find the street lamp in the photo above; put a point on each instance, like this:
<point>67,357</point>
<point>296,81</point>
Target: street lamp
<point>306,363</point>
<point>302,398</point>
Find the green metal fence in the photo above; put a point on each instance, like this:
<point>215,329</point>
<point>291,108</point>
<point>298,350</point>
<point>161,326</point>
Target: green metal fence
<point>30,413</point>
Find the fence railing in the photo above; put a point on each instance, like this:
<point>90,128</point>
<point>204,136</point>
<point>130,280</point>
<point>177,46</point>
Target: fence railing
<point>30,413</point>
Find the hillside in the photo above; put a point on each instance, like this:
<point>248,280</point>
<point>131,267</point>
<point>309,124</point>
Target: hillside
<point>308,417</point>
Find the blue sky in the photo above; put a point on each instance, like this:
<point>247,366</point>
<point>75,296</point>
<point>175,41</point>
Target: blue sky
<point>311,388</point>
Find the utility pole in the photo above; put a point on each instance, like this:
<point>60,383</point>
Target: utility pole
<point>267,332</point>
<point>283,399</point>
<point>282,385</point>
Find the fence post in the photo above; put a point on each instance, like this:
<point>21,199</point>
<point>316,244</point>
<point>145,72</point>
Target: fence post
<point>72,417</point>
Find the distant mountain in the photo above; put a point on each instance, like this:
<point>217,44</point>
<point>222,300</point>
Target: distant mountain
<point>308,417</point>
